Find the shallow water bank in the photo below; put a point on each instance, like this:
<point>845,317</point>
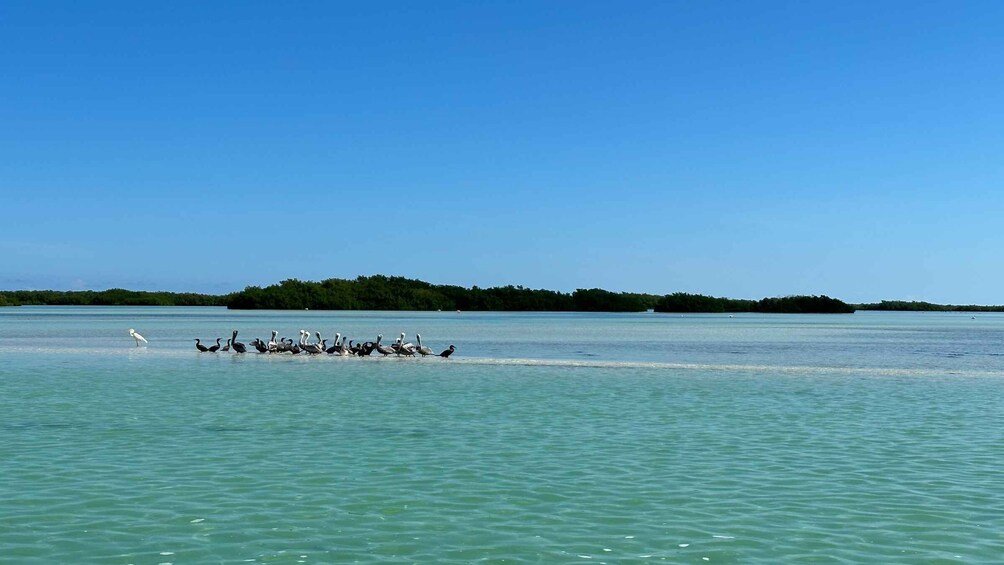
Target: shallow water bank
<point>623,439</point>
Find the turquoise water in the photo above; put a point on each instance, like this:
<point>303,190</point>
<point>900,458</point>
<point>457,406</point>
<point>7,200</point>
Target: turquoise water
<point>549,438</point>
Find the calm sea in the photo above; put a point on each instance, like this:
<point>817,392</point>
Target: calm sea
<point>547,438</point>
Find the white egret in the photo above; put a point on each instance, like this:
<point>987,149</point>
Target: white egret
<point>137,337</point>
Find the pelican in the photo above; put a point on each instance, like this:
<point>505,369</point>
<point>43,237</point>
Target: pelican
<point>200,347</point>
<point>424,350</point>
<point>215,348</point>
<point>272,345</point>
<point>280,345</point>
<point>343,348</point>
<point>237,346</point>
<point>382,349</point>
<point>402,348</point>
<point>287,344</point>
<point>447,352</point>
<point>137,337</point>
<point>406,349</point>
<point>313,348</point>
<point>334,348</point>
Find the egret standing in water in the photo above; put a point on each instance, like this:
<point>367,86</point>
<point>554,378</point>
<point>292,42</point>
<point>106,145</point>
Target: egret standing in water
<point>137,337</point>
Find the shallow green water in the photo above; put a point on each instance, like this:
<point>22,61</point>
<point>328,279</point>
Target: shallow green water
<point>552,439</point>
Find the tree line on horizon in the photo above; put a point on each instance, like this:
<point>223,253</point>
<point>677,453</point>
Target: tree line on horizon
<point>683,302</point>
<point>919,306</point>
<point>110,297</point>
<point>380,292</point>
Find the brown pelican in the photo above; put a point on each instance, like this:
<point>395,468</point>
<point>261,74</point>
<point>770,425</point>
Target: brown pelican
<point>402,348</point>
<point>281,346</point>
<point>405,348</point>
<point>382,349</point>
<point>343,348</point>
<point>422,349</point>
<point>312,348</point>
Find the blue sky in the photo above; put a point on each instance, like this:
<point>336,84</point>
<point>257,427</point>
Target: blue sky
<point>736,149</point>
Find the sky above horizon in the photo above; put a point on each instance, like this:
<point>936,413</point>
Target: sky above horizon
<point>736,149</point>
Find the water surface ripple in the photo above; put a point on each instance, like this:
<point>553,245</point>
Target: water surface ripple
<point>111,454</point>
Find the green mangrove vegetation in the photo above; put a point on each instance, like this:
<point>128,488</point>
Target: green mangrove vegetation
<point>381,292</point>
<point>685,302</point>
<point>110,297</point>
<point>914,306</point>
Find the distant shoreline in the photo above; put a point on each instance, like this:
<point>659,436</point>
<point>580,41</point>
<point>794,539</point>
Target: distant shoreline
<point>915,306</point>
<point>384,293</point>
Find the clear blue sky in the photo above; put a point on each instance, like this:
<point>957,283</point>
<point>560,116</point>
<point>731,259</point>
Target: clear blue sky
<point>742,149</point>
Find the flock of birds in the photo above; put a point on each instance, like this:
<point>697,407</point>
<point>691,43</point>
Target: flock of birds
<point>342,346</point>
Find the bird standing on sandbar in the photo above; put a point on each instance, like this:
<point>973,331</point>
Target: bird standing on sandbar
<point>422,349</point>
<point>383,349</point>
<point>237,346</point>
